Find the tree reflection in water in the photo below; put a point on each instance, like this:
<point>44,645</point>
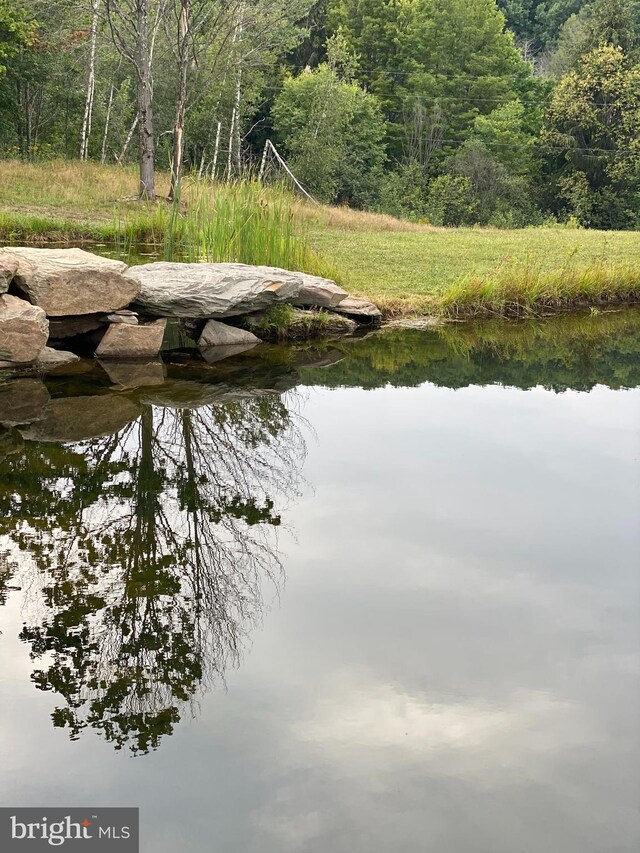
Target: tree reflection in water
<point>152,546</point>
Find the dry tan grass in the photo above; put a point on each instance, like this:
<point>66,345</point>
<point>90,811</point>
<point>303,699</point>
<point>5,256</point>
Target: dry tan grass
<point>347,219</point>
<point>72,189</point>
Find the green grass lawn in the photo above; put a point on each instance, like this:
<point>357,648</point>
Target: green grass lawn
<point>409,266</point>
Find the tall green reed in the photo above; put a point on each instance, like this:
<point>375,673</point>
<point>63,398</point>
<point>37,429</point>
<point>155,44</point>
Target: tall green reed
<point>241,222</point>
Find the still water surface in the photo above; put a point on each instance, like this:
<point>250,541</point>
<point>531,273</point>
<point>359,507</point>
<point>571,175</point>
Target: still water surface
<point>370,596</point>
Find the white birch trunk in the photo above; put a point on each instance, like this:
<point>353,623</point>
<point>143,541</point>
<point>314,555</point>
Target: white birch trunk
<point>215,152</point>
<point>91,82</point>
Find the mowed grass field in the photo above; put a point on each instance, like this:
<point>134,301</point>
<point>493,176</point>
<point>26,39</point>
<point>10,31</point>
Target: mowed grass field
<point>399,265</point>
<point>404,267</point>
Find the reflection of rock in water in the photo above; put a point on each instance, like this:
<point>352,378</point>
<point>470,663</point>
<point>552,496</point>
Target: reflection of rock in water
<point>81,418</point>
<point>213,354</point>
<point>135,374</point>
<point>22,401</point>
<point>149,547</point>
<point>184,394</point>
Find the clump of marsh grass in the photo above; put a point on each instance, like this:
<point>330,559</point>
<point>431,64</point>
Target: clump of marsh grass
<point>524,291</point>
<point>241,222</point>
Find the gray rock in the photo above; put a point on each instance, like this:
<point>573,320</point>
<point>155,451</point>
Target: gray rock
<point>70,281</point>
<point>319,292</point>
<point>69,327</point>
<point>8,268</point>
<point>81,418</point>
<point>359,309</point>
<point>22,401</point>
<point>123,341</point>
<point>211,290</point>
<point>129,317</point>
<point>24,330</point>
<point>217,334</point>
<point>50,358</point>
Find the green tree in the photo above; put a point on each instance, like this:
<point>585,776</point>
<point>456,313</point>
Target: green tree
<point>592,139</point>
<point>16,31</point>
<point>504,133</point>
<point>602,22</point>
<point>453,53</point>
<point>332,131</point>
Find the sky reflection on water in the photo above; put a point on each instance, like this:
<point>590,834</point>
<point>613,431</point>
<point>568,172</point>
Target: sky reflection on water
<point>450,662</point>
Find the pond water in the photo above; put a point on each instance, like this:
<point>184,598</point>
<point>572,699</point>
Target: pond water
<point>357,597</point>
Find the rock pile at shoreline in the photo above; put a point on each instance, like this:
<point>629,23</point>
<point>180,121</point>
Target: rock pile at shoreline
<point>55,303</point>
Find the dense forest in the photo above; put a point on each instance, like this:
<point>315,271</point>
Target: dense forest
<point>454,112</point>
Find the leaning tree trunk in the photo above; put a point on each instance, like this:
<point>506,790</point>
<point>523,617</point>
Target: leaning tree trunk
<point>91,82</point>
<point>236,141</point>
<point>145,105</point>
<point>181,101</point>
<point>105,135</point>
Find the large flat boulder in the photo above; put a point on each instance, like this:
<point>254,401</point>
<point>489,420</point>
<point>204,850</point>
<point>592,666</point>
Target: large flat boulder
<point>70,281</point>
<point>217,334</point>
<point>24,330</point>
<point>124,341</point>
<point>211,290</point>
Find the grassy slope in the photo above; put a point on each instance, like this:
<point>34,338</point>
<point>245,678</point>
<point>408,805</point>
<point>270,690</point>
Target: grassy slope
<point>401,265</point>
<point>393,264</point>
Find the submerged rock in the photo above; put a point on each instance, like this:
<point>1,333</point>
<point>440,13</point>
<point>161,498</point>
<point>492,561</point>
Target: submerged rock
<point>124,341</point>
<point>24,330</point>
<point>10,442</point>
<point>70,281</point>
<point>217,334</point>
<point>189,394</point>
<point>211,290</point>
